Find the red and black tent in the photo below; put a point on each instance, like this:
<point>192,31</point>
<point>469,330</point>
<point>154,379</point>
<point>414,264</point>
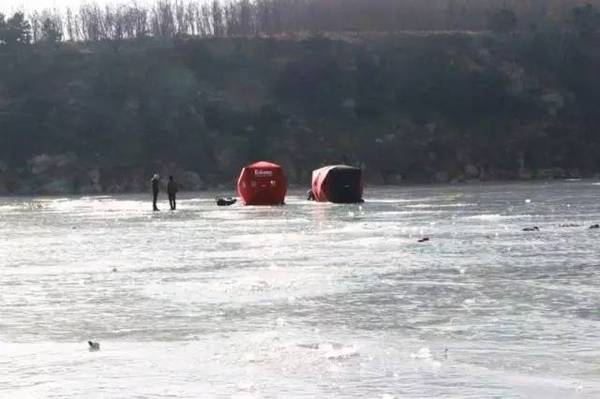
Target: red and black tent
<point>262,183</point>
<point>337,183</point>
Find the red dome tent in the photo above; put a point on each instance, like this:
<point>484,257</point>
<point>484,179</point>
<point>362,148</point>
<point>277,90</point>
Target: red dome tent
<point>337,183</point>
<point>262,183</point>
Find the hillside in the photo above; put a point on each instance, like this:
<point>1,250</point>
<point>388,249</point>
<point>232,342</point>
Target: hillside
<point>89,117</point>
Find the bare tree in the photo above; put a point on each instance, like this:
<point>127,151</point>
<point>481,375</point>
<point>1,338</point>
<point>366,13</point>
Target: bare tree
<point>51,29</point>
<point>90,17</point>
<point>163,19</point>
<point>179,17</point>
<point>205,21</point>
<point>70,25</point>
<point>218,19</point>
<point>36,26</point>
<point>190,17</point>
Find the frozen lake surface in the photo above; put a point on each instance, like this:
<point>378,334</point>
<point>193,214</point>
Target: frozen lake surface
<point>306,300</point>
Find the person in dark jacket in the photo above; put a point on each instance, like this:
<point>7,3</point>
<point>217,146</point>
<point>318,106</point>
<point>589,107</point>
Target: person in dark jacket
<point>172,192</point>
<point>155,189</point>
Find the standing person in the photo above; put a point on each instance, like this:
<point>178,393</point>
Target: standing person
<point>172,192</point>
<point>155,180</point>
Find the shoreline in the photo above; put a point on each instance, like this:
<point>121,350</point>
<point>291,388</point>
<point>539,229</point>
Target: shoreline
<point>298,188</point>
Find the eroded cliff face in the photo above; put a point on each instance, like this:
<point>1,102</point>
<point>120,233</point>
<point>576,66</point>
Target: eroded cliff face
<point>455,107</point>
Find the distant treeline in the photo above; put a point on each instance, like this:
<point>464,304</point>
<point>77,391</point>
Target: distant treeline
<point>169,18</point>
